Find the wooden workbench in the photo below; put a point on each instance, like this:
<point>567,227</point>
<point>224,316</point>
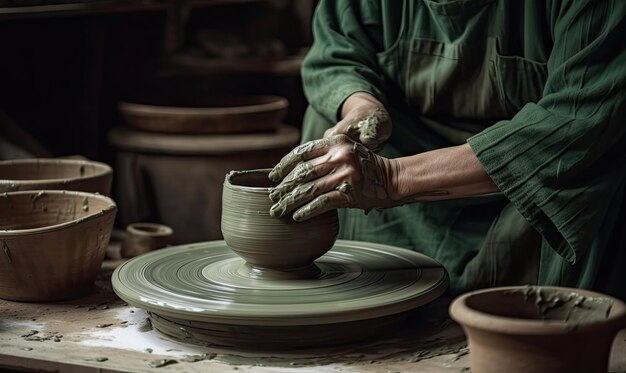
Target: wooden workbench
<point>100,333</point>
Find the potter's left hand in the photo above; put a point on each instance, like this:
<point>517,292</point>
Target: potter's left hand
<point>329,173</point>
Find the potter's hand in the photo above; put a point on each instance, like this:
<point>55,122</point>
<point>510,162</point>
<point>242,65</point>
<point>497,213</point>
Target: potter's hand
<point>365,120</point>
<point>333,172</point>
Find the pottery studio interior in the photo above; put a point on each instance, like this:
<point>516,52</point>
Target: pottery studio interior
<point>312,186</point>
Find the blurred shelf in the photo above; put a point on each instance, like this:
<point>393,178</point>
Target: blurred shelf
<point>69,9</point>
<point>182,64</point>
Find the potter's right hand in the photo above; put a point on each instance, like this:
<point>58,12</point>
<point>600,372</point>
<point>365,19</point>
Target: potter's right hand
<point>329,173</point>
<point>364,120</point>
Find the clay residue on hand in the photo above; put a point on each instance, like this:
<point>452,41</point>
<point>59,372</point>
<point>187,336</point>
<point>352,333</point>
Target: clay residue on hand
<point>573,308</point>
<point>374,129</point>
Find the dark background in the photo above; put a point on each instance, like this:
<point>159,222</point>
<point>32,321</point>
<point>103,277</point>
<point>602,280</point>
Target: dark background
<point>65,65</point>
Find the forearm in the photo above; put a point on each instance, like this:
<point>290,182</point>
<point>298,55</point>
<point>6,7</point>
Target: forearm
<point>445,173</point>
<point>358,100</point>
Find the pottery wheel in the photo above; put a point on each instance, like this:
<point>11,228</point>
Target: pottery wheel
<point>207,283</point>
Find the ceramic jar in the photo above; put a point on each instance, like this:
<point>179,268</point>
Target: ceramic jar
<point>539,329</point>
<point>266,242</point>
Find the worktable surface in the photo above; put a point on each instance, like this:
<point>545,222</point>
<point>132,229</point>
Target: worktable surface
<point>101,333</point>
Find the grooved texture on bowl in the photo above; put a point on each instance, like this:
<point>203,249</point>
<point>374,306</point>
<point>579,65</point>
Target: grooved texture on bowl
<point>224,114</point>
<point>52,243</point>
<point>55,174</point>
<point>264,241</point>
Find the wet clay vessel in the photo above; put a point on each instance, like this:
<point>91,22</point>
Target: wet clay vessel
<point>52,243</point>
<point>216,115</point>
<point>204,293</point>
<point>55,174</point>
<point>265,242</point>
<point>539,329</point>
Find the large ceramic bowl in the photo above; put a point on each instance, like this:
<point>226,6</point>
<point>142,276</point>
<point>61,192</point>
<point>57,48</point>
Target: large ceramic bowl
<point>52,243</point>
<point>55,174</point>
<point>224,114</point>
<point>539,329</point>
<point>265,242</point>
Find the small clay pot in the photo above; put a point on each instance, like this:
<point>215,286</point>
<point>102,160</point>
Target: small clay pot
<point>52,243</point>
<point>55,174</point>
<point>539,329</point>
<point>144,237</point>
<point>265,242</point>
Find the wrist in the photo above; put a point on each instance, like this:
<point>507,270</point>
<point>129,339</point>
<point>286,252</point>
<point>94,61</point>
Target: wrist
<point>360,102</point>
<point>445,173</point>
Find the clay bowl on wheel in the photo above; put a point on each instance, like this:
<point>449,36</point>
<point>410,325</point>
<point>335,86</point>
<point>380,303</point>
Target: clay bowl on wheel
<point>539,329</point>
<point>57,174</point>
<point>52,243</point>
<point>211,115</point>
<point>265,242</point>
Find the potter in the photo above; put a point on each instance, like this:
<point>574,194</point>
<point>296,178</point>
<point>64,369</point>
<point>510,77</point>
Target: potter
<point>502,157</point>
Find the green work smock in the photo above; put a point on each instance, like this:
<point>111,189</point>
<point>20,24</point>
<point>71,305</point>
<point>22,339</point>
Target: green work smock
<point>537,89</point>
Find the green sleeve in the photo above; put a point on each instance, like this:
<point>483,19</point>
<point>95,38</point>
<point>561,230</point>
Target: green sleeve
<point>562,160</point>
<point>342,59</point>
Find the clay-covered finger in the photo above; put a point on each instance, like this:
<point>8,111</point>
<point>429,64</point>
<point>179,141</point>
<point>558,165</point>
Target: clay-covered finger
<point>321,204</point>
<point>289,162</point>
<point>375,129</point>
<point>347,127</point>
<point>302,173</point>
<point>304,152</point>
<point>298,196</point>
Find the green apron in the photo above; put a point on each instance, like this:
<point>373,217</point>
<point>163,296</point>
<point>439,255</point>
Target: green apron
<point>442,74</point>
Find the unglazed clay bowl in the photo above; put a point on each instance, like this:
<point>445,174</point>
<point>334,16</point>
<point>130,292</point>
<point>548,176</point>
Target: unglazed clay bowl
<point>52,243</point>
<point>55,174</point>
<point>211,115</point>
<point>265,242</point>
<point>539,329</point>
<point>142,237</point>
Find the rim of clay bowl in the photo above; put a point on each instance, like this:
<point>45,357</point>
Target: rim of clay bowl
<point>149,229</point>
<point>104,170</point>
<point>111,208</point>
<point>273,103</point>
<point>253,189</point>
<point>465,315</point>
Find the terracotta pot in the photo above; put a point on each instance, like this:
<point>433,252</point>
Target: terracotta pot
<point>539,329</point>
<point>267,242</point>
<point>223,114</point>
<point>56,174</point>
<point>52,243</point>
<point>144,237</point>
